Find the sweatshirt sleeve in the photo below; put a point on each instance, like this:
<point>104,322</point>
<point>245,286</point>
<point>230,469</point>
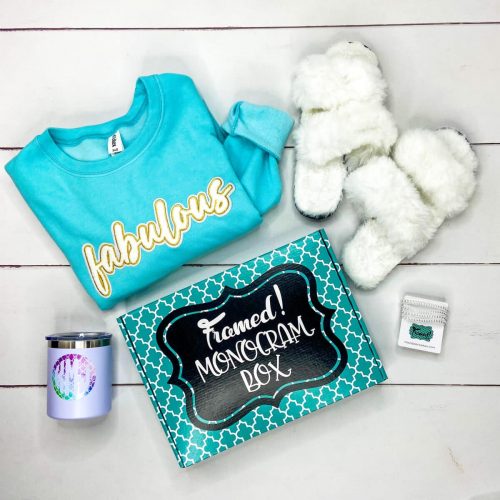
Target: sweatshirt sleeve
<point>254,137</point>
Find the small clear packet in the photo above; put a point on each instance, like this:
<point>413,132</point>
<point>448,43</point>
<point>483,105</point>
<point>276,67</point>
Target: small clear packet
<point>422,323</point>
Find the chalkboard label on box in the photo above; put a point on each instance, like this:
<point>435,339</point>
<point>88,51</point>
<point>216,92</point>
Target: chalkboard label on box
<point>251,346</point>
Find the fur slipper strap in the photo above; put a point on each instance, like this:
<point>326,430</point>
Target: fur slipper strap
<point>348,72</point>
<point>362,129</point>
<point>441,164</point>
<point>381,191</point>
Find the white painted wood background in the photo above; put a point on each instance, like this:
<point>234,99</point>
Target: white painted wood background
<point>433,430</point>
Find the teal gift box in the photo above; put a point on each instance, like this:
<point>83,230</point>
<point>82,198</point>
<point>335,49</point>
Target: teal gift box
<point>251,348</point>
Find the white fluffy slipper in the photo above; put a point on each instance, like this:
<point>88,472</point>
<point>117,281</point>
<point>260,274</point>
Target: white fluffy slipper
<point>341,96</point>
<point>403,205</point>
<point>397,222</point>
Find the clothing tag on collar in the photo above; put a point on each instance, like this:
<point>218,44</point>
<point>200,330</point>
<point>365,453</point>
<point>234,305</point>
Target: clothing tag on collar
<point>115,144</point>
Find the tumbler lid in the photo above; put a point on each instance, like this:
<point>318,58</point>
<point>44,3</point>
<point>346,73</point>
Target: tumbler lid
<point>79,340</point>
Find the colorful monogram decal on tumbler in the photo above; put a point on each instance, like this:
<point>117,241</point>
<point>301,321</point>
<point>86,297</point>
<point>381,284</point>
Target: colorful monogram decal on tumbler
<point>167,228</point>
<point>73,377</point>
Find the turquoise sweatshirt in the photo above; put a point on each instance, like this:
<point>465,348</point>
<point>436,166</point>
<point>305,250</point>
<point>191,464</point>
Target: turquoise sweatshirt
<point>130,200</point>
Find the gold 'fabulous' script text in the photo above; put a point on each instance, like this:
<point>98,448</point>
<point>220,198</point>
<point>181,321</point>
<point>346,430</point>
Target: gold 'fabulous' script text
<point>167,228</point>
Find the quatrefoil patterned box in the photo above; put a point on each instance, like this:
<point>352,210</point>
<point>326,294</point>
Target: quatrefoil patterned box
<point>251,348</point>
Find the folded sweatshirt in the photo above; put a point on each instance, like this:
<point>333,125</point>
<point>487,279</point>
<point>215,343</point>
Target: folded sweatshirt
<point>130,200</point>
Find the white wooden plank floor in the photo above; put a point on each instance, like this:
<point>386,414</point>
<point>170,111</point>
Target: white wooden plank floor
<point>433,430</point>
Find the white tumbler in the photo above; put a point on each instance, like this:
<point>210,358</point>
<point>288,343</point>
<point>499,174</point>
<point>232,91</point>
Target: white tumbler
<point>79,374</point>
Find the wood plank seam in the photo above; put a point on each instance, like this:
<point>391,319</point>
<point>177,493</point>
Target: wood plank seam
<point>18,148</point>
<point>236,28</point>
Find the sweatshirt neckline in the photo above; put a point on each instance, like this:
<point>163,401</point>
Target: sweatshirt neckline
<point>147,94</point>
